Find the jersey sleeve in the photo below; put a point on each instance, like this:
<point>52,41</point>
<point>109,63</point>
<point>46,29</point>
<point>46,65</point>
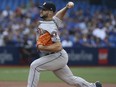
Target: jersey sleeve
<point>58,22</point>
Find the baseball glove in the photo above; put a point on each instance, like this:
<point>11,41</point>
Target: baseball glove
<point>44,39</point>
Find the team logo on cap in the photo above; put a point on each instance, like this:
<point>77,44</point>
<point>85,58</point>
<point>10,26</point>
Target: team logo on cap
<point>44,3</point>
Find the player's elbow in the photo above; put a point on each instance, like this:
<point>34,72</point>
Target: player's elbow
<point>58,46</point>
<point>40,47</point>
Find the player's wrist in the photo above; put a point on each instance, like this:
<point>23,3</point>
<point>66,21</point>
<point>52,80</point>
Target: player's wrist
<point>66,7</point>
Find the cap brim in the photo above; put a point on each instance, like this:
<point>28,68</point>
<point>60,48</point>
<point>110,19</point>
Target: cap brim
<point>41,7</point>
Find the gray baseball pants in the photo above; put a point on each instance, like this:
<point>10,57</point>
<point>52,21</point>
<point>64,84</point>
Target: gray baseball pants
<point>57,63</point>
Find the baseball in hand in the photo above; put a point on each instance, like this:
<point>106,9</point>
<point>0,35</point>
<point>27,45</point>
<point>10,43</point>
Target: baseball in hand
<point>70,5</point>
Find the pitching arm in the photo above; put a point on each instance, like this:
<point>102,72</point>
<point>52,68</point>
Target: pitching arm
<point>61,13</point>
<point>55,47</point>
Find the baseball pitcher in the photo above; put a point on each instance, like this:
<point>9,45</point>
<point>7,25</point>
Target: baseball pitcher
<point>55,57</point>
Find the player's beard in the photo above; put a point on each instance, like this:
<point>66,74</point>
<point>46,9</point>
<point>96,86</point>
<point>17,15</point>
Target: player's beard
<point>44,17</point>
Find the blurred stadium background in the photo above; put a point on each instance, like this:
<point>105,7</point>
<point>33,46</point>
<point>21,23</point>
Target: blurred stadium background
<point>89,37</point>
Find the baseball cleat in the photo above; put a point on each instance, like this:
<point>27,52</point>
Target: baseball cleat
<point>98,84</point>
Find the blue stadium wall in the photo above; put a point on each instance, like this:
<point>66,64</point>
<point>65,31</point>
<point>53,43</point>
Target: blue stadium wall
<point>77,56</point>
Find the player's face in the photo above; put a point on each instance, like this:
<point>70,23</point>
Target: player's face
<point>43,14</point>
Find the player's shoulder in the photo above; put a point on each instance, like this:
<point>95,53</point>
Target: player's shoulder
<point>56,18</point>
<point>48,26</point>
<point>58,21</point>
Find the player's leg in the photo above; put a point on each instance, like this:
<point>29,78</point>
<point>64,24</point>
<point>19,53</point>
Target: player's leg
<point>34,74</point>
<point>49,62</point>
<point>66,75</point>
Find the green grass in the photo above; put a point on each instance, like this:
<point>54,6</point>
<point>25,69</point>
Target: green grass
<point>13,74</point>
<point>104,74</point>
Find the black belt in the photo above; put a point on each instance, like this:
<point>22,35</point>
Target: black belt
<point>50,53</point>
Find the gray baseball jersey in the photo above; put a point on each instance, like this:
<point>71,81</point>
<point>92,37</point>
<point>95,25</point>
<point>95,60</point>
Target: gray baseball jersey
<point>50,26</point>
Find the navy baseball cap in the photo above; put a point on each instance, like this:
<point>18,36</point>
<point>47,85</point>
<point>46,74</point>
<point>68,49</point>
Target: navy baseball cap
<point>48,6</point>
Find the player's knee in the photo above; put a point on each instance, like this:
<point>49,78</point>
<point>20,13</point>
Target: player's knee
<point>33,65</point>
